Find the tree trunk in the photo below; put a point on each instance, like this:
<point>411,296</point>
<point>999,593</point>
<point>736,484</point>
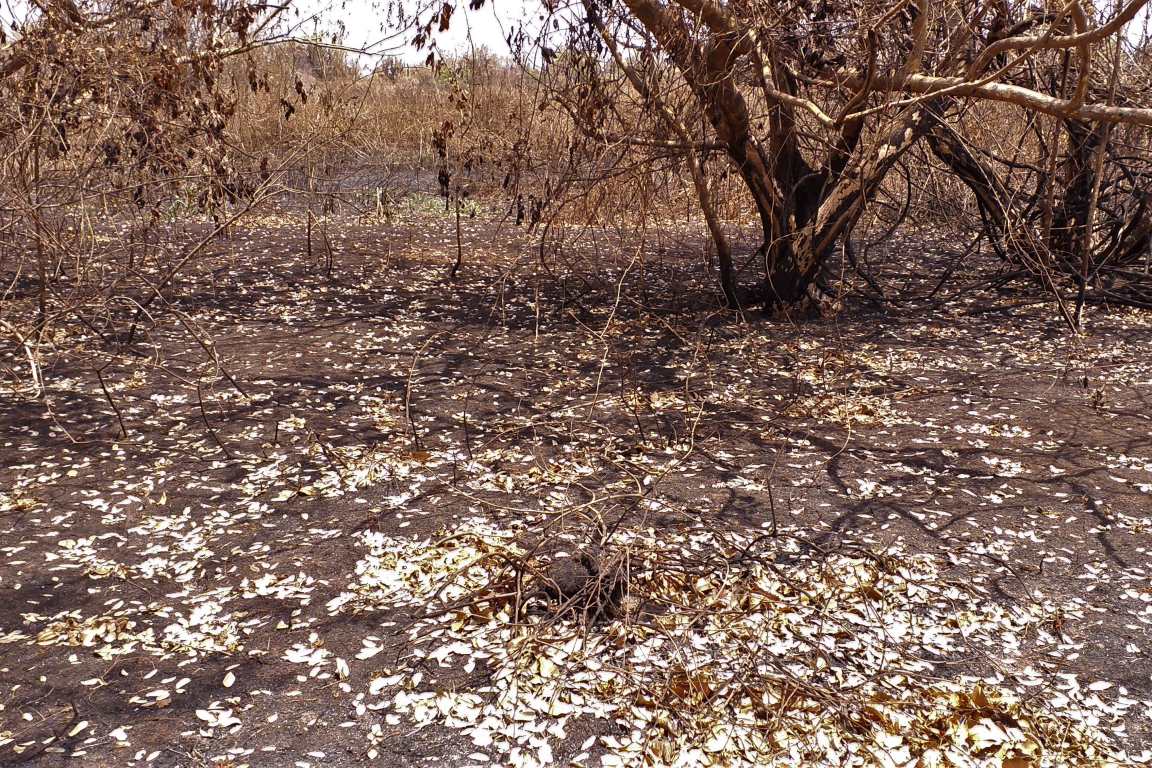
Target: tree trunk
<point>1070,235</point>
<point>803,211</point>
<point>823,208</point>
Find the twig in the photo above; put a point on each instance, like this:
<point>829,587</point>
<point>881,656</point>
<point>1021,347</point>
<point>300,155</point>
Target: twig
<point>111,402</point>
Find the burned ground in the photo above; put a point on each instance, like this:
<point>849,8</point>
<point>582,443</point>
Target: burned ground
<point>297,563</point>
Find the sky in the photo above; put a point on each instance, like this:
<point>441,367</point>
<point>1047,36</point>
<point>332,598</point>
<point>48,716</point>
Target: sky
<point>365,22</point>
<point>366,25</point>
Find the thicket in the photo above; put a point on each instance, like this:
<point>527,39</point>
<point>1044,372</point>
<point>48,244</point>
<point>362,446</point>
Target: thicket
<point>134,134</point>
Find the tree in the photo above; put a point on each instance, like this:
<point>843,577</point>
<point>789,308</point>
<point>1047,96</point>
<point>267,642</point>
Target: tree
<point>1069,198</point>
<point>104,104</point>
<point>813,103</point>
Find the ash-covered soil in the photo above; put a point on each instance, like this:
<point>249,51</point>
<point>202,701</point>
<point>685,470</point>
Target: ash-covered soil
<point>333,531</point>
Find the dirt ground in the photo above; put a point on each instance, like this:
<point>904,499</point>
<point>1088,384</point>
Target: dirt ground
<point>237,580</point>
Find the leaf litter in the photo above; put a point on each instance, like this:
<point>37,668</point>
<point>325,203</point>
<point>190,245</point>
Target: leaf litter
<point>445,533</point>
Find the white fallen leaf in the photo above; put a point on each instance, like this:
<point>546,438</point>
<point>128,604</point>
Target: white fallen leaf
<point>368,652</point>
